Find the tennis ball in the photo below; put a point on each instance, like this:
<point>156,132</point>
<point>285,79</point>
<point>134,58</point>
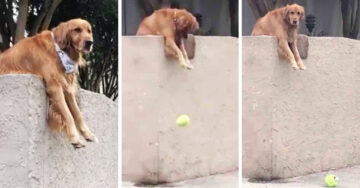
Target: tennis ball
<point>182,120</point>
<point>331,180</point>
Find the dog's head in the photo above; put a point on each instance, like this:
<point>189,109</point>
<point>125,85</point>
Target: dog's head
<point>293,14</point>
<point>75,34</point>
<point>185,22</point>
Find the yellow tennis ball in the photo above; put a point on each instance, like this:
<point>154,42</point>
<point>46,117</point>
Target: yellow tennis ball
<point>331,180</point>
<point>183,120</point>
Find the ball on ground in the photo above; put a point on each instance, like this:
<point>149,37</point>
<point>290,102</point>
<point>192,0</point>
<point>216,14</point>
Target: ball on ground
<point>183,120</point>
<point>331,180</point>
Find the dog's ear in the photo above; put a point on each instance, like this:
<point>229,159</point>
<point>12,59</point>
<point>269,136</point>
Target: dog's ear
<point>195,27</point>
<point>181,23</point>
<point>285,12</point>
<point>61,35</point>
<point>302,13</point>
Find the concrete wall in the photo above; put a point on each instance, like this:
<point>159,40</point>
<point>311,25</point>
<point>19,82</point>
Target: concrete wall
<point>31,156</point>
<point>156,90</point>
<point>300,122</point>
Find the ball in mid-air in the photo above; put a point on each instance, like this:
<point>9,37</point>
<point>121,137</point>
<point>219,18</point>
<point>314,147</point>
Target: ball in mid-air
<point>183,120</point>
<point>331,180</point>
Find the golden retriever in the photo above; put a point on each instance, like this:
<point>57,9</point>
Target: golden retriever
<point>55,56</point>
<point>283,23</point>
<point>174,25</point>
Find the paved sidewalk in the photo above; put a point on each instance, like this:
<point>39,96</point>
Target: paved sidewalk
<point>348,178</point>
<point>228,180</point>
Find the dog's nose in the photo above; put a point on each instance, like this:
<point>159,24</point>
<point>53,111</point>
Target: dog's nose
<point>88,44</point>
<point>294,22</point>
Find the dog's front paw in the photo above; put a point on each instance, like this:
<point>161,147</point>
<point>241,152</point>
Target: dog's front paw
<point>76,143</point>
<point>302,67</point>
<point>189,66</point>
<point>90,137</point>
<point>295,67</point>
<point>300,64</point>
<point>186,66</point>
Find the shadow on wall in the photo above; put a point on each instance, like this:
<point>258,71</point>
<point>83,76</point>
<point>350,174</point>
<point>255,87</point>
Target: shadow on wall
<point>215,17</point>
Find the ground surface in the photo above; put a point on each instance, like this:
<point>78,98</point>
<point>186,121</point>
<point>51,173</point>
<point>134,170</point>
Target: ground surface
<point>348,178</point>
<point>227,180</point>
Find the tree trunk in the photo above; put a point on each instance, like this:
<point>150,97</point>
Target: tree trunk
<point>150,6</point>
<point>21,20</point>
<point>49,15</point>
<point>234,12</point>
<point>355,28</point>
<point>346,16</point>
<point>282,3</point>
<point>5,43</point>
<point>350,10</point>
<point>4,26</point>
<point>9,19</point>
<point>40,18</point>
<point>257,8</point>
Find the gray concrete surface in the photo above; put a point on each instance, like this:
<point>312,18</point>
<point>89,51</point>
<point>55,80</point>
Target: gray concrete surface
<point>156,90</point>
<point>32,156</point>
<point>226,180</point>
<point>300,122</point>
<point>348,178</point>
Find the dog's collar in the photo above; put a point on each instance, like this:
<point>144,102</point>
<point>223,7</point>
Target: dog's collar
<point>68,64</point>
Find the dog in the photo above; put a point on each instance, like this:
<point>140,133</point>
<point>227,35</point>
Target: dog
<point>54,56</point>
<point>174,25</point>
<point>283,23</point>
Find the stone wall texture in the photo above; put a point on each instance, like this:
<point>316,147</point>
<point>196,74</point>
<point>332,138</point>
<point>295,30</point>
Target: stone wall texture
<point>33,156</point>
<point>156,90</point>
<point>300,122</point>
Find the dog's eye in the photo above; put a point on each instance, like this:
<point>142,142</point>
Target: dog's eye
<point>78,29</point>
<point>298,13</point>
<point>292,12</point>
<point>89,30</point>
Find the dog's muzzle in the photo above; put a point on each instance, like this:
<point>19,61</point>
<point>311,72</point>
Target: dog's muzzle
<point>88,45</point>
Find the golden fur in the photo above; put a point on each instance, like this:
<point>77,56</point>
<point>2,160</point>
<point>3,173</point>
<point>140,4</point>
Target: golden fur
<point>37,55</point>
<point>283,23</point>
<point>174,25</point>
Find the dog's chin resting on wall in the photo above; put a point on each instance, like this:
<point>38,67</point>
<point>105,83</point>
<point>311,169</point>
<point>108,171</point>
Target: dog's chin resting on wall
<point>55,57</point>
